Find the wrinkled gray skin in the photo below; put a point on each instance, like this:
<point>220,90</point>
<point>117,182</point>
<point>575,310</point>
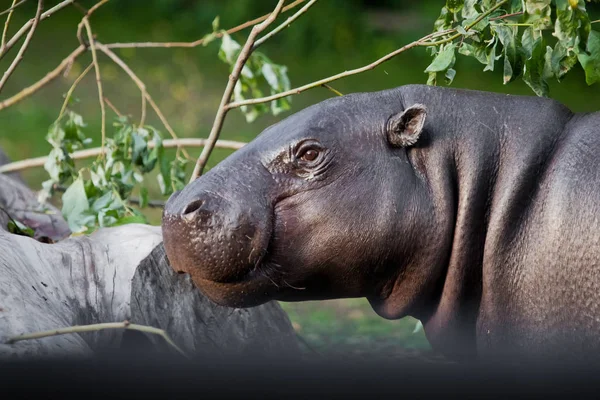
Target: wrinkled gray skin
<point>484,224</point>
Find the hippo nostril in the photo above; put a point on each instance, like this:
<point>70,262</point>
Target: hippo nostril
<point>193,206</point>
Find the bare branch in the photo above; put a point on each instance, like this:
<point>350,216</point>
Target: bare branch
<point>324,81</point>
<point>71,89</point>
<point>233,78</point>
<point>7,23</point>
<point>112,107</point>
<point>24,28</point>
<point>12,7</point>
<point>420,42</point>
<point>85,21</point>
<point>21,52</point>
<point>337,92</point>
<point>283,25</point>
<point>201,41</point>
<point>97,327</point>
<point>50,76</point>
<point>142,88</point>
<point>94,152</point>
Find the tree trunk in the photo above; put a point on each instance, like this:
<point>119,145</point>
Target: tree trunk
<point>113,275</point>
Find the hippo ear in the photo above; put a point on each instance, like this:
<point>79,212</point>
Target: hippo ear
<point>404,129</point>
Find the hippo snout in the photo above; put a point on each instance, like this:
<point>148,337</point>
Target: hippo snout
<point>219,237</point>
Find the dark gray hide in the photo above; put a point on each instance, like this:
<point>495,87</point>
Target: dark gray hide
<point>484,224</point>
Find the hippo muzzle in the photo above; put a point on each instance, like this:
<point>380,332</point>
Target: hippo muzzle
<point>218,231</point>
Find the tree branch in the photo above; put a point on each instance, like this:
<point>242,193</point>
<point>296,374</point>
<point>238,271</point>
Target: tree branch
<point>145,93</point>
<point>23,48</point>
<point>283,25</point>
<point>419,42</point>
<point>233,78</point>
<point>94,152</point>
<point>24,28</point>
<point>97,327</point>
<point>12,7</point>
<point>72,89</point>
<point>88,28</point>
<point>201,41</point>
<point>112,107</point>
<point>7,23</point>
<point>50,76</point>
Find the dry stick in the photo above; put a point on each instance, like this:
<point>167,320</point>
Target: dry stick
<point>24,28</point>
<point>94,152</point>
<point>112,107</point>
<point>233,78</point>
<point>198,42</point>
<point>88,28</point>
<point>326,86</point>
<point>72,89</point>
<point>283,25</point>
<point>19,56</point>
<point>50,76</point>
<point>6,24</point>
<point>420,42</point>
<point>94,328</point>
<point>12,7</point>
<point>142,88</point>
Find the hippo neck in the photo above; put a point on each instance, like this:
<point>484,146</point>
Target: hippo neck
<point>477,161</point>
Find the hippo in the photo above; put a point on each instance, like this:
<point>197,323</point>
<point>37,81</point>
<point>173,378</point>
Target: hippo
<point>477,213</point>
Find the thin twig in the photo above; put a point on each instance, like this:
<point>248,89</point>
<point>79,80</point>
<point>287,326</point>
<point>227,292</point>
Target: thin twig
<point>142,88</point>
<point>94,152</point>
<point>283,25</point>
<point>7,23</point>
<point>233,78</point>
<point>21,52</point>
<point>507,16</point>
<point>97,327</point>
<point>26,26</point>
<point>88,28</point>
<point>71,89</point>
<point>326,86</point>
<point>12,7</point>
<point>420,42</point>
<point>201,41</point>
<point>112,107</point>
<point>50,76</point>
<point>468,27</point>
<point>595,22</point>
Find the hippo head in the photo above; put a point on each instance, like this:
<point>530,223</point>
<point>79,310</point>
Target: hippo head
<point>320,205</point>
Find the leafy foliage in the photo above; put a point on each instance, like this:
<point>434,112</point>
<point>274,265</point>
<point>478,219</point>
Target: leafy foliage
<point>259,69</point>
<point>97,195</point>
<point>537,40</point>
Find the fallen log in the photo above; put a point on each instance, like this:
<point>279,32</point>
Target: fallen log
<point>113,275</point>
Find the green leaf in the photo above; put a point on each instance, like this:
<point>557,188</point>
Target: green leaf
<point>18,228</point>
<point>512,61</point>
<point>538,12</point>
<point>444,59</point>
<point>132,219</point>
<point>590,59</point>
<point>450,74</point>
<point>75,203</point>
<point>454,6</point>
<point>533,73</point>
<point>215,24</point>
<point>562,60</point>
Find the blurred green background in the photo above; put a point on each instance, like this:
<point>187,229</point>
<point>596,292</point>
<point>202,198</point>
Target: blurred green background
<point>187,84</point>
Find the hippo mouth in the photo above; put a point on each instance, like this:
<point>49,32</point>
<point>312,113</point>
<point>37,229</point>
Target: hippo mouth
<point>223,245</point>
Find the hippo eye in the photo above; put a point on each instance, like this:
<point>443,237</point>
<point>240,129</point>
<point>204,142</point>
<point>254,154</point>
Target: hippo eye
<point>309,155</point>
